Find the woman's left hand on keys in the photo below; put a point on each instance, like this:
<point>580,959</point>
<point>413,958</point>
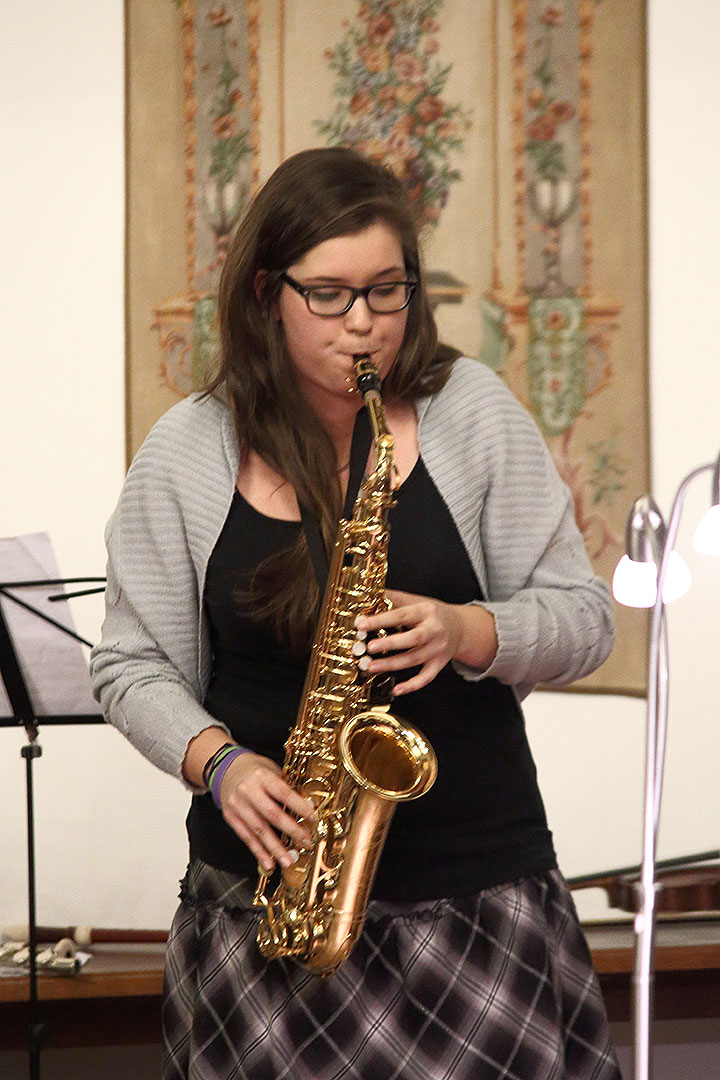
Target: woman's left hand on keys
<point>426,633</point>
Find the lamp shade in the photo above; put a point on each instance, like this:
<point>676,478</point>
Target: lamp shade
<point>634,582</point>
<point>706,539</point>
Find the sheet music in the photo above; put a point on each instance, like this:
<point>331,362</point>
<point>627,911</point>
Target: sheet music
<point>54,665</point>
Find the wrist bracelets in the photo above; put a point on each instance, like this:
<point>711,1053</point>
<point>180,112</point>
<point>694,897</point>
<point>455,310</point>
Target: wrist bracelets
<point>217,766</point>
<point>215,760</point>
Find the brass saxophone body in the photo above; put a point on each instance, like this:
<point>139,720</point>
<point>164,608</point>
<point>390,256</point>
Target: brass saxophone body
<point>346,752</point>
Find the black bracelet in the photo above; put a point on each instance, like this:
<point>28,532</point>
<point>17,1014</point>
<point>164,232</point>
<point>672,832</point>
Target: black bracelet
<point>212,761</point>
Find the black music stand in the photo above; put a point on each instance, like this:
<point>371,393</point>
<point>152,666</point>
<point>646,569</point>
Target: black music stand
<point>24,714</point>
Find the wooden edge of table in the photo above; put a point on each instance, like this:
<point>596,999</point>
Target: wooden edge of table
<point>112,971</point>
<point>122,971</point>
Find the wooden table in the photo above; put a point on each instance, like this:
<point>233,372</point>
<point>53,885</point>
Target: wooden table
<point>686,964</point>
<point>116,997</point>
<point>114,1000</point>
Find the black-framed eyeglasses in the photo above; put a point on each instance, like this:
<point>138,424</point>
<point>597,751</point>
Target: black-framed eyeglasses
<point>329,300</point>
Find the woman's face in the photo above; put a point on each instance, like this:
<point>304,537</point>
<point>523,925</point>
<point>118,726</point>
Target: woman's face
<point>321,347</point>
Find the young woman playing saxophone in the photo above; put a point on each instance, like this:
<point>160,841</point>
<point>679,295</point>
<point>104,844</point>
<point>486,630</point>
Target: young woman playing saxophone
<point>471,962</point>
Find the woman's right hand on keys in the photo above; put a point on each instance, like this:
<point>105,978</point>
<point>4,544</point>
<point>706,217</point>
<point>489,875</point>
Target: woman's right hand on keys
<point>259,806</point>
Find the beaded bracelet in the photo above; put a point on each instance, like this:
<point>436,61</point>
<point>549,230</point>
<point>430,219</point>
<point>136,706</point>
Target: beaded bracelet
<point>218,773</point>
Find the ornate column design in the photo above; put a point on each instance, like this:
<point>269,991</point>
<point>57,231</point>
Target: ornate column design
<point>222,112</point>
<point>546,325</point>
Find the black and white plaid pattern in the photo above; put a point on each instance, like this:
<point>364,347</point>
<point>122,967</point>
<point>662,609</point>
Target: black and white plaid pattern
<point>497,985</point>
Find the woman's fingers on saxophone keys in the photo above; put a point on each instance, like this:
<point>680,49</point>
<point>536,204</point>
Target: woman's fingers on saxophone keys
<point>266,845</point>
<point>417,631</point>
<point>261,844</point>
<point>285,796</point>
<point>259,838</point>
<point>264,811</point>
<point>287,823</point>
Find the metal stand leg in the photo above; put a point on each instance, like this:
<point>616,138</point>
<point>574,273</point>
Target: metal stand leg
<point>36,1031</point>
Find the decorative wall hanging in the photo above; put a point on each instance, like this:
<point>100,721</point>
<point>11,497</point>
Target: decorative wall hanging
<point>519,143</point>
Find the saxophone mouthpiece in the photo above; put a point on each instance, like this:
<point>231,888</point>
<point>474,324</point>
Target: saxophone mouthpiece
<point>367,378</point>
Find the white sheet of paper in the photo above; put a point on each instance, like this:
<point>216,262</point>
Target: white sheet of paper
<point>53,663</point>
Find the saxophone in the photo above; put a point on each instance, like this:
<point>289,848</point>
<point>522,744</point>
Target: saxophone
<point>346,753</point>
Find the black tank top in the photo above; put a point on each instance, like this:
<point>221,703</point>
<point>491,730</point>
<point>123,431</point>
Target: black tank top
<point>483,822</point>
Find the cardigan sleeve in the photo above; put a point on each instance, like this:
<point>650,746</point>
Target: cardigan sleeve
<point>553,614</point>
<point>558,626</point>
<point>146,670</point>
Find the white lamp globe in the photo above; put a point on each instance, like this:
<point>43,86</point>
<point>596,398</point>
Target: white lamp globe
<point>706,539</point>
<point>678,579</point>
<point>634,583</point>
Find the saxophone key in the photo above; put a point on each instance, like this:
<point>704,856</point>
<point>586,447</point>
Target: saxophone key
<point>295,875</point>
<point>381,690</point>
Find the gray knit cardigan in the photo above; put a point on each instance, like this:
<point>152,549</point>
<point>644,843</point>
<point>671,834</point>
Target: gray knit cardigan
<point>488,461</point>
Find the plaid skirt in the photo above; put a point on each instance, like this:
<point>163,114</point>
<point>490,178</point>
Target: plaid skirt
<point>496,985</point>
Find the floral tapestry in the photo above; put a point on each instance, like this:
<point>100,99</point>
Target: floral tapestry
<point>521,149</point>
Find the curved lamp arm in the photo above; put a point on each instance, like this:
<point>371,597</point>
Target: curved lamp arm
<point>656,734</point>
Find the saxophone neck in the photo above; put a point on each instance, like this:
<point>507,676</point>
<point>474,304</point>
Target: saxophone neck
<point>367,376</point>
<point>382,479</point>
<point>367,379</point>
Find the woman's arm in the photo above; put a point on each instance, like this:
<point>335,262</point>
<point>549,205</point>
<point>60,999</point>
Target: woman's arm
<point>255,801</point>
<point>559,626</point>
<point>150,669</point>
<point>146,670</point>
<point>545,615</point>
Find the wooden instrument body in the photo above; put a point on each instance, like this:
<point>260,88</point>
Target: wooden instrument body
<point>684,886</point>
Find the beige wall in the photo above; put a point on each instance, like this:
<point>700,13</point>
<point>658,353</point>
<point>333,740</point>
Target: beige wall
<point>110,829</point>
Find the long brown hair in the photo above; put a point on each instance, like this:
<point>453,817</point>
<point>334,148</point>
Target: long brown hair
<point>311,197</point>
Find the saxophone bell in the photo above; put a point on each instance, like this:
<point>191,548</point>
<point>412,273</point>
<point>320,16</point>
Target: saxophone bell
<point>386,756</point>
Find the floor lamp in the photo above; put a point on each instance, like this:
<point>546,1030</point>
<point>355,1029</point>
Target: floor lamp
<point>651,574</point>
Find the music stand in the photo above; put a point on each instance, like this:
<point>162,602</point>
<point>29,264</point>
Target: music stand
<point>24,713</point>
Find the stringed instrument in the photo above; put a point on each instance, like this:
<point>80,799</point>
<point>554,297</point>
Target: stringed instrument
<point>685,885</point>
